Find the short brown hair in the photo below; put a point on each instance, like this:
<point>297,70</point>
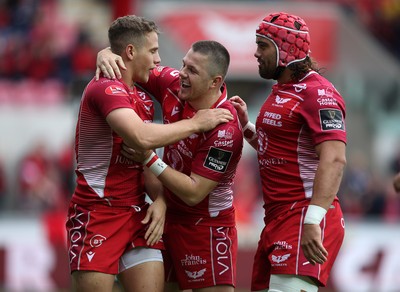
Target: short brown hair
<point>129,29</point>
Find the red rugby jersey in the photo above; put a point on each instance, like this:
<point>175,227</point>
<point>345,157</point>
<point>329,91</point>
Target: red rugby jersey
<point>214,154</point>
<point>103,174</point>
<point>292,121</point>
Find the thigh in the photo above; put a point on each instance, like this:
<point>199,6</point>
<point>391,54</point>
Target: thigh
<point>292,283</point>
<point>202,256</point>
<point>144,277</point>
<point>97,238</point>
<point>261,265</point>
<point>86,281</point>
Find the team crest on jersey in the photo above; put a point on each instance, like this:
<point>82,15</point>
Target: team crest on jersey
<point>116,90</point>
<point>217,159</point>
<point>328,92</point>
<point>280,100</point>
<point>331,119</point>
<point>225,138</point>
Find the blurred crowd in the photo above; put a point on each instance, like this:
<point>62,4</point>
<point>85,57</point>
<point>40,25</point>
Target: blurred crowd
<point>36,44</point>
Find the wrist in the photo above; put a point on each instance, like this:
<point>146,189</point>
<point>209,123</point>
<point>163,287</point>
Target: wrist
<point>314,214</point>
<point>155,164</point>
<point>249,131</point>
<point>148,159</point>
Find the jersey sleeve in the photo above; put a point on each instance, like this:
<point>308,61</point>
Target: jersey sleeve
<point>219,153</point>
<point>161,80</point>
<point>324,112</point>
<point>104,96</point>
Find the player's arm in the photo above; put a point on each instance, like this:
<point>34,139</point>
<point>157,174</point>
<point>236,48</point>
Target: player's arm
<point>155,215</point>
<point>332,160</point>
<point>190,189</point>
<point>142,136</point>
<point>248,128</point>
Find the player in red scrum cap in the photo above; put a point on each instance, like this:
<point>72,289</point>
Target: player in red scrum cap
<point>300,138</point>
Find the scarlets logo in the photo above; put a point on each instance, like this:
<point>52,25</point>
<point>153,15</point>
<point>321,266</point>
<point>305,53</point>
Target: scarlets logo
<point>157,70</point>
<point>116,90</point>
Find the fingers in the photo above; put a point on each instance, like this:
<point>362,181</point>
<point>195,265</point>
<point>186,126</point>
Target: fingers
<point>154,231</point>
<point>119,64</point>
<point>315,254</point>
<point>98,71</point>
<point>154,234</point>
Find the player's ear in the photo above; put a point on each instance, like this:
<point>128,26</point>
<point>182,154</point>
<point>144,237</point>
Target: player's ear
<point>217,81</point>
<point>130,51</point>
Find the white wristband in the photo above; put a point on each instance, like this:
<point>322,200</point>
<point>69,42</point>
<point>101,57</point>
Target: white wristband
<point>147,160</point>
<point>314,214</point>
<point>249,126</point>
<point>158,167</point>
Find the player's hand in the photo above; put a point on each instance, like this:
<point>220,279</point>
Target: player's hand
<point>109,64</point>
<point>134,155</point>
<point>156,217</point>
<point>241,108</point>
<point>311,244</point>
<point>208,119</point>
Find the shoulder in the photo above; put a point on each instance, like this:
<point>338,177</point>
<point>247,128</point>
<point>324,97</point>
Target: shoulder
<point>319,90</point>
<point>106,86</point>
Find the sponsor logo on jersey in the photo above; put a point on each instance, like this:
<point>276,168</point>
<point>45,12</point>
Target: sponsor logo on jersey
<point>278,260</point>
<point>90,255</point>
<point>282,245</point>
<point>97,240</point>
<point>328,92</point>
<point>196,274</point>
<point>191,260</point>
<point>272,119</point>
<point>175,110</point>
<point>225,138</point>
<point>327,101</point>
<point>280,100</point>
<point>116,90</point>
<point>331,119</point>
<point>217,159</point>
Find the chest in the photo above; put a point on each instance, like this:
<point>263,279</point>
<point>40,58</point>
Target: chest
<point>280,112</point>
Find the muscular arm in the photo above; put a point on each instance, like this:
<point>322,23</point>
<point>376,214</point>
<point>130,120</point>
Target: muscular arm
<point>326,185</point>
<point>143,136</point>
<point>332,156</point>
<point>190,189</point>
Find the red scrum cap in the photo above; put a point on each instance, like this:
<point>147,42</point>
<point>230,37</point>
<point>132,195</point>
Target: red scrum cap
<point>290,35</point>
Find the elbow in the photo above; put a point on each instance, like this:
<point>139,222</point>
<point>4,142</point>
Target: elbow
<point>191,198</point>
<point>191,201</point>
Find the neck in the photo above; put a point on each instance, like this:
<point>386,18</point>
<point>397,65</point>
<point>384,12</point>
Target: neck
<point>285,76</point>
<point>206,102</point>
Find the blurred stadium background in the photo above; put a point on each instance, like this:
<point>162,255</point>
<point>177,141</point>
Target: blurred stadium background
<point>47,54</point>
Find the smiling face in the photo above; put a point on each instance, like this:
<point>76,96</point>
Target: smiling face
<point>145,58</point>
<point>194,76</point>
<point>266,55</point>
